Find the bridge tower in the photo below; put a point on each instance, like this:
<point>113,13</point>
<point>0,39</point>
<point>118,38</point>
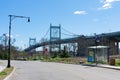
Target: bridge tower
<point>55,34</point>
<point>32,41</point>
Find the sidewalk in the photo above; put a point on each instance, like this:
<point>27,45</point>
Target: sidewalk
<point>103,66</point>
<point>2,65</point>
<point>2,68</point>
<point>108,66</point>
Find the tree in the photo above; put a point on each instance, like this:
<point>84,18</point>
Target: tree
<point>1,51</point>
<point>64,53</point>
<point>23,54</point>
<point>55,54</point>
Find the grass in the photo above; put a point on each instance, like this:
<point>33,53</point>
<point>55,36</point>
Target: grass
<point>5,72</point>
<point>89,63</point>
<point>77,60</point>
<point>1,63</point>
<point>117,62</point>
<point>66,60</point>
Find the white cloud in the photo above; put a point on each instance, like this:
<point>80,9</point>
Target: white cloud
<point>80,12</point>
<point>107,4</point>
<point>110,1</point>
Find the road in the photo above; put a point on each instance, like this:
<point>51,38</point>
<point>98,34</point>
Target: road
<point>36,70</point>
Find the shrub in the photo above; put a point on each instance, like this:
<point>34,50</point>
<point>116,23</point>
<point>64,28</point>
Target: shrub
<point>64,53</point>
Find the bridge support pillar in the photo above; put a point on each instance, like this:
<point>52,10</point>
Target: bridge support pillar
<point>82,47</point>
<point>117,47</point>
<point>114,47</point>
<point>55,34</point>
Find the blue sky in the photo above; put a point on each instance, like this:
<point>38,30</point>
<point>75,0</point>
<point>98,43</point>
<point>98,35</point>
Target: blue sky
<point>78,16</point>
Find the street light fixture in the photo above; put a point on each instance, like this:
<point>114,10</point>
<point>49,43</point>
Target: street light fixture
<point>11,17</point>
<point>97,40</point>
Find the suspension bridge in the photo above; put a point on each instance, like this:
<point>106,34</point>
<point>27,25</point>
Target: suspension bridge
<point>83,42</point>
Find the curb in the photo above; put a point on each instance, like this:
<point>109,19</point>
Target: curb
<point>7,78</point>
<point>109,67</point>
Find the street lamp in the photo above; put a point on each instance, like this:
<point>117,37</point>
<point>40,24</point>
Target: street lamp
<point>11,17</point>
<point>97,40</point>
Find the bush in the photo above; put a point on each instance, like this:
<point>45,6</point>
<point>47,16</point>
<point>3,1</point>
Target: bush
<point>117,62</point>
<point>55,55</point>
<point>64,53</point>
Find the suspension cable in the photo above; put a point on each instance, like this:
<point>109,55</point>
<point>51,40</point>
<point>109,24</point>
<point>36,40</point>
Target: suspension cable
<point>73,34</point>
<point>46,33</point>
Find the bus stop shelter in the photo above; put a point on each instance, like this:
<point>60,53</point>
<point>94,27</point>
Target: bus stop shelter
<point>99,54</point>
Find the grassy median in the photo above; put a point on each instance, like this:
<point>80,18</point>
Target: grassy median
<point>76,60</point>
<point>5,72</point>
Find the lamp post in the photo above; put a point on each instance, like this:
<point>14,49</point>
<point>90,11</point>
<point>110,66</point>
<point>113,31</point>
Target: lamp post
<point>11,17</point>
<point>97,40</point>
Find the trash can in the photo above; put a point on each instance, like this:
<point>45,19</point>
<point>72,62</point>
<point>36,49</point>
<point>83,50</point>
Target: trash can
<point>112,61</point>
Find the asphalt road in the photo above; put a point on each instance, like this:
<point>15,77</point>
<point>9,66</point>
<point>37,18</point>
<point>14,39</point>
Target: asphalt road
<point>36,70</point>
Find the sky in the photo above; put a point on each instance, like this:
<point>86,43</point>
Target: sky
<point>82,17</point>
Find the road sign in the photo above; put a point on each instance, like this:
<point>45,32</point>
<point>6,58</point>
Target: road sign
<point>46,51</point>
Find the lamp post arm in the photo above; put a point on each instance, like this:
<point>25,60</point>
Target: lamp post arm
<point>18,16</point>
<point>14,16</point>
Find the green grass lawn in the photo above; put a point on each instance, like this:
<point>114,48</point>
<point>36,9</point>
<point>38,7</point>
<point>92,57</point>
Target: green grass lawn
<point>5,72</point>
<point>117,62</point>
<point>66,60</point>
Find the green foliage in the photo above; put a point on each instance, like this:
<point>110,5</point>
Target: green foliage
<point>89,63</point>
<point>64,53</point>
<point>55,55</point>
<point>117,62</point>
<point>3,55</point>
<point>23,54</point>
<point>65,60</point>
<point>47,57</point>
<point>5,72</point>
<point>4,52</point>
<point>57,59</point>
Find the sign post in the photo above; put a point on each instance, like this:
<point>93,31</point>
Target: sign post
<point>46,53</point>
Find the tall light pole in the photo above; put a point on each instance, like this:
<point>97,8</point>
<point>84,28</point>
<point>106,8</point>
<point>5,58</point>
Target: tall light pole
<point>11,17</point>
<point>97,40</point>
